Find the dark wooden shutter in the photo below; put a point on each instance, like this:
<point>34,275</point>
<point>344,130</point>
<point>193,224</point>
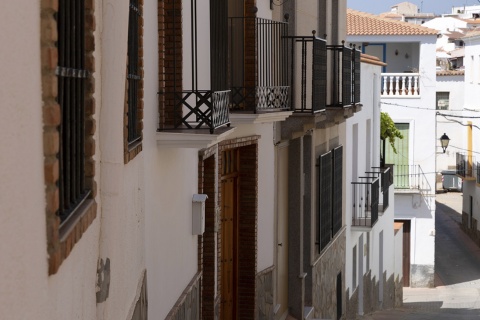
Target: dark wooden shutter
<point>337,188</point>
<point>346,76</point>
<point>325,200</point>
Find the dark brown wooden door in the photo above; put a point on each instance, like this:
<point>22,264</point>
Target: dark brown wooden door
<point>229,249</point>
<point>406,252</point>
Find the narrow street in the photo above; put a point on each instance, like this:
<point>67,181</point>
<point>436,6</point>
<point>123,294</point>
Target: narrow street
<point>457,266</point>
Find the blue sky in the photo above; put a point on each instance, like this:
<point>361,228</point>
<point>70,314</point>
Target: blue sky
<point>430,6</point>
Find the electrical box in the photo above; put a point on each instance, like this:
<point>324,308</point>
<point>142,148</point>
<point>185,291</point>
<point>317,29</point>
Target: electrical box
<point>198,214</point>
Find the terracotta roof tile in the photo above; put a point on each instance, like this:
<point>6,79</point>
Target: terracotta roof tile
<point>471,34</point>
<point>472,21</point>
<point>451,73</point>
<point>366,58</point>
<point>362,23</point>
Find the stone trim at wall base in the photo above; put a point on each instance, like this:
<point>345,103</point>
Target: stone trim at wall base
<point>188,304</point>
<point>264,294</point>
<point>471,230</point>
<point>392,295</point>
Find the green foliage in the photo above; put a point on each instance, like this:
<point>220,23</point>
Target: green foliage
<point>388,130</point>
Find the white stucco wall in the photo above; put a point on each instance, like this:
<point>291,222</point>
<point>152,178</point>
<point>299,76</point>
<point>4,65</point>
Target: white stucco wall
<point>420,114</point>
<point>444,24</point>
<point>22,214</point>
<point>356,138</point>
<point>472,72</point>
<point>455,86</point>
<point>28,291</point>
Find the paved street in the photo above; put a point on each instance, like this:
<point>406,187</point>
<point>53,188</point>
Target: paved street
<point>457,265</point>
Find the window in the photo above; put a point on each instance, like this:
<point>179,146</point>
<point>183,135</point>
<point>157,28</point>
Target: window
<point>471,69</point>
<point>442,101</point>
<point>354,268</point>
<point>72,75</point>
<point>69,128</point>
<point>330,201</point>
<point>400,159</point>
<point>134,103</point>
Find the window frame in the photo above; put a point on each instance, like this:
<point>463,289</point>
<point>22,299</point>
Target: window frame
<point>134,86</point>
<point>438,97</point>
<point>67,218</point>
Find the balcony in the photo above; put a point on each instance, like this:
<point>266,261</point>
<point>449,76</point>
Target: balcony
<point>465,166</point>
<point>410,178</point>
<point>308,74</point>
<point>194,110</point>
<point>344,88</point>
<point>257,66</point>
<point>365,204</point>
<point>400,85</point>
<point>386,180</point>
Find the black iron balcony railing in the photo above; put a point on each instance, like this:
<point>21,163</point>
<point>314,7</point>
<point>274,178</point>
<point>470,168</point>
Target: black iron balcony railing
<point>411,177</point>
<point>345,69</point>
<point>465,165</point>
<point>365,203</point>
<point>257,66</point>
<point>195,109</point>
<point>386,180</point>
<point>308,74</point>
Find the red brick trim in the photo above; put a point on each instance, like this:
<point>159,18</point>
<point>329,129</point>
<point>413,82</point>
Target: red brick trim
<point>210,167</point>
<point>131,150</point>
<point>60,241</point>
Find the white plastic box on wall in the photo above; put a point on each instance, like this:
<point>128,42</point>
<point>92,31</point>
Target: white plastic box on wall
<point>198,214</point>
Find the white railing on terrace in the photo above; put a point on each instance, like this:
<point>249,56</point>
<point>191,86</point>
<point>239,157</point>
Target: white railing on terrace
<point>400,85</point>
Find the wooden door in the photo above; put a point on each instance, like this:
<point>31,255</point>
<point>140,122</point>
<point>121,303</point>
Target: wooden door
<point>406,252</point>
<point>229,249</point>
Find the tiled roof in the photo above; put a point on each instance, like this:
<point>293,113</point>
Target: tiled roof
<point>366,58</point>
<point>455,35</point>
<point>391,15</point>
<point>362,23</point>
<point>472,21</point>
<point>472,34</point>
<point>451,73</point>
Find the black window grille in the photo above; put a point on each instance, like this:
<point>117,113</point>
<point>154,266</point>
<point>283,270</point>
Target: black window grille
<point>337,188</point>
<point>72,76</point>
<point>325,200</point>
<point>133,73</point>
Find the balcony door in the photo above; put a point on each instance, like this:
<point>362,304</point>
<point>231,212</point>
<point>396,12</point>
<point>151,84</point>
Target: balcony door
<point>229,236</point>
<point>401,158</point>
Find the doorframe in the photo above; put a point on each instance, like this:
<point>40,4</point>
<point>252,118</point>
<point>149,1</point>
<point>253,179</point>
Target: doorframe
<point>407,226</point>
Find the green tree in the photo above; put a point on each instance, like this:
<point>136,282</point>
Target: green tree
<point>388,131</point>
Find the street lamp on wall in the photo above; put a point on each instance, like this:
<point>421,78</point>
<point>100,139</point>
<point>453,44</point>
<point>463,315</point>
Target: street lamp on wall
<point>444,140</point>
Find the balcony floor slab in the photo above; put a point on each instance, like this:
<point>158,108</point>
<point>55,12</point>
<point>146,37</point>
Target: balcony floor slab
<point>191,138</point>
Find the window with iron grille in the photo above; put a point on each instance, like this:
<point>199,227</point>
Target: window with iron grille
<point>72,74</point>
<point>330,201</point>
<point>134,73</point>
<point>325,200</point>
<point>337,180</point>
<point>443,100</point>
